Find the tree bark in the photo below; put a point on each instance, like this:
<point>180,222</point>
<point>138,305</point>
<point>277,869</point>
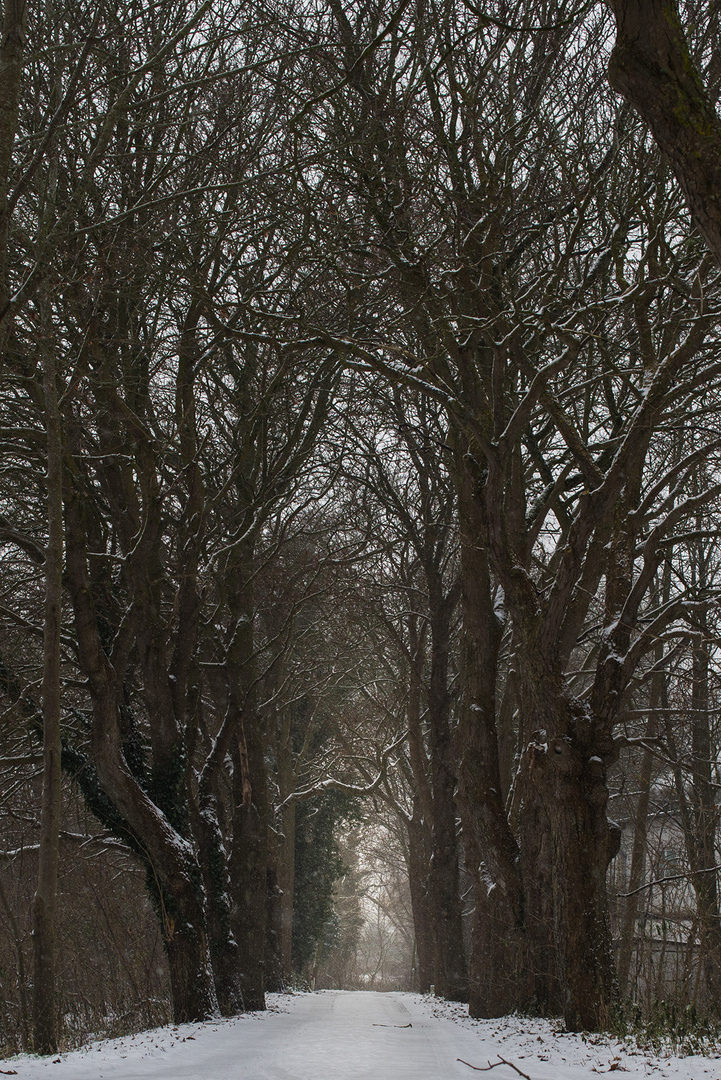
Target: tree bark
<point>638,860</point>
<point>420,842</point>
<point>284,854</point>
<point>566,845</point>
<point>651,66</point>
<point>706,816</point>
<point>175,878</point>
<point>449,966</point>
<point>499,963</point>
<point>418,863</point>
<point>45,904</point>
<point>286,878</point>
<point>12,48</point>
<point>249,874</point>
<point>248,865</point>
<point>224,952</point>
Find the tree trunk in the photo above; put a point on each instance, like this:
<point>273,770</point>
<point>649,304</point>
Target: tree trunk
<point>187,949</point>
<point>638,862</point>
<point>498,968</point>
<point>24,1012</point>
<point>282,905</point>
<point>638,851</point>
<point>44,908</point>
<point>224,953</point>
<point>249,851</point>
<point>12,48</point>
<point>420,842</point>
<point>449,966</point>
<point>249,880</point>
<point>175,878</point>
<point>706,815</point>
<point>418,865</point>
<point>651,66</point>
<point>286,879</point>
<point>566,845</point>
<point>274,980</point>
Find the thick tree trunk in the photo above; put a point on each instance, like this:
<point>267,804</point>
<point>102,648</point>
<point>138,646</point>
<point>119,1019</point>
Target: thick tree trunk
<point>274,980</point>
<point>498,968</point>
<point>223,947</point>
<point>566,845</point>
<point>420,843</point>
<point>187,950</point>
<point>436,884</point>
<point>12,48</point>
<point>449,966</point>
<point>249,876</point>
<point>249,852</point>
<point>286,884</point>
<point>281,906</point>
<point>553,877</point>
<point>24,1018</point>
<point>44,908</point>
<point>418,865</point>
<point>706,816</point>
<point>651,66</point>
<point>175,877</point>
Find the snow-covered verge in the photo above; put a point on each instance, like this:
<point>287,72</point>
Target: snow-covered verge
<point>544,1051</point>
<point>358,1036</point>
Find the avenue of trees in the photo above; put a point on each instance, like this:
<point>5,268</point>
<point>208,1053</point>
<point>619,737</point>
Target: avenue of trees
<point>361,435</point>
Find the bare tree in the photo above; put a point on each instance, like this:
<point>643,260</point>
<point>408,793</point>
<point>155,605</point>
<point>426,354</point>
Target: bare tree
<point>44,961</point>
<point>549,457</point>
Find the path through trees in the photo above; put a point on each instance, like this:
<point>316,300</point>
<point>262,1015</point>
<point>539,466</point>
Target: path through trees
<point>384,357</point>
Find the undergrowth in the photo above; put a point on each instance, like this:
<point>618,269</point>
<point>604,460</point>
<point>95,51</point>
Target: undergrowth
<point>671,1027</point>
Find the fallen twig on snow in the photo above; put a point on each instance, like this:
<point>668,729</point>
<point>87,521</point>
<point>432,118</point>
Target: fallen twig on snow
<point>487,1068</point>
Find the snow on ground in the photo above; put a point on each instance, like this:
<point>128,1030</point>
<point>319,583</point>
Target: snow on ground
<point>342,1035</point>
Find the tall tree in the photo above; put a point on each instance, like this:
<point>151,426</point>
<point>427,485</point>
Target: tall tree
<point>553,454</point>
<point>44,944</point>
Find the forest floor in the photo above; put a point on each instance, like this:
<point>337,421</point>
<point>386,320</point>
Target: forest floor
<point>359,1036</point>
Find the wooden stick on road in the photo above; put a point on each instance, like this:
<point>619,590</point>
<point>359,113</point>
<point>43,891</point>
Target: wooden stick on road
<point>487,1068</point>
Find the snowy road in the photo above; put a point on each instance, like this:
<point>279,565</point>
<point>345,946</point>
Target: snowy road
<point>356,1036</point>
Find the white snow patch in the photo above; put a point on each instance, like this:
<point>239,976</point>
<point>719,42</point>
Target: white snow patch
<point>339,1035</point>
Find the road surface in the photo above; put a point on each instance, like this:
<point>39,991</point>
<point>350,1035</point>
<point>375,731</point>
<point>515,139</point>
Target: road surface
<point>356,1036</point>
